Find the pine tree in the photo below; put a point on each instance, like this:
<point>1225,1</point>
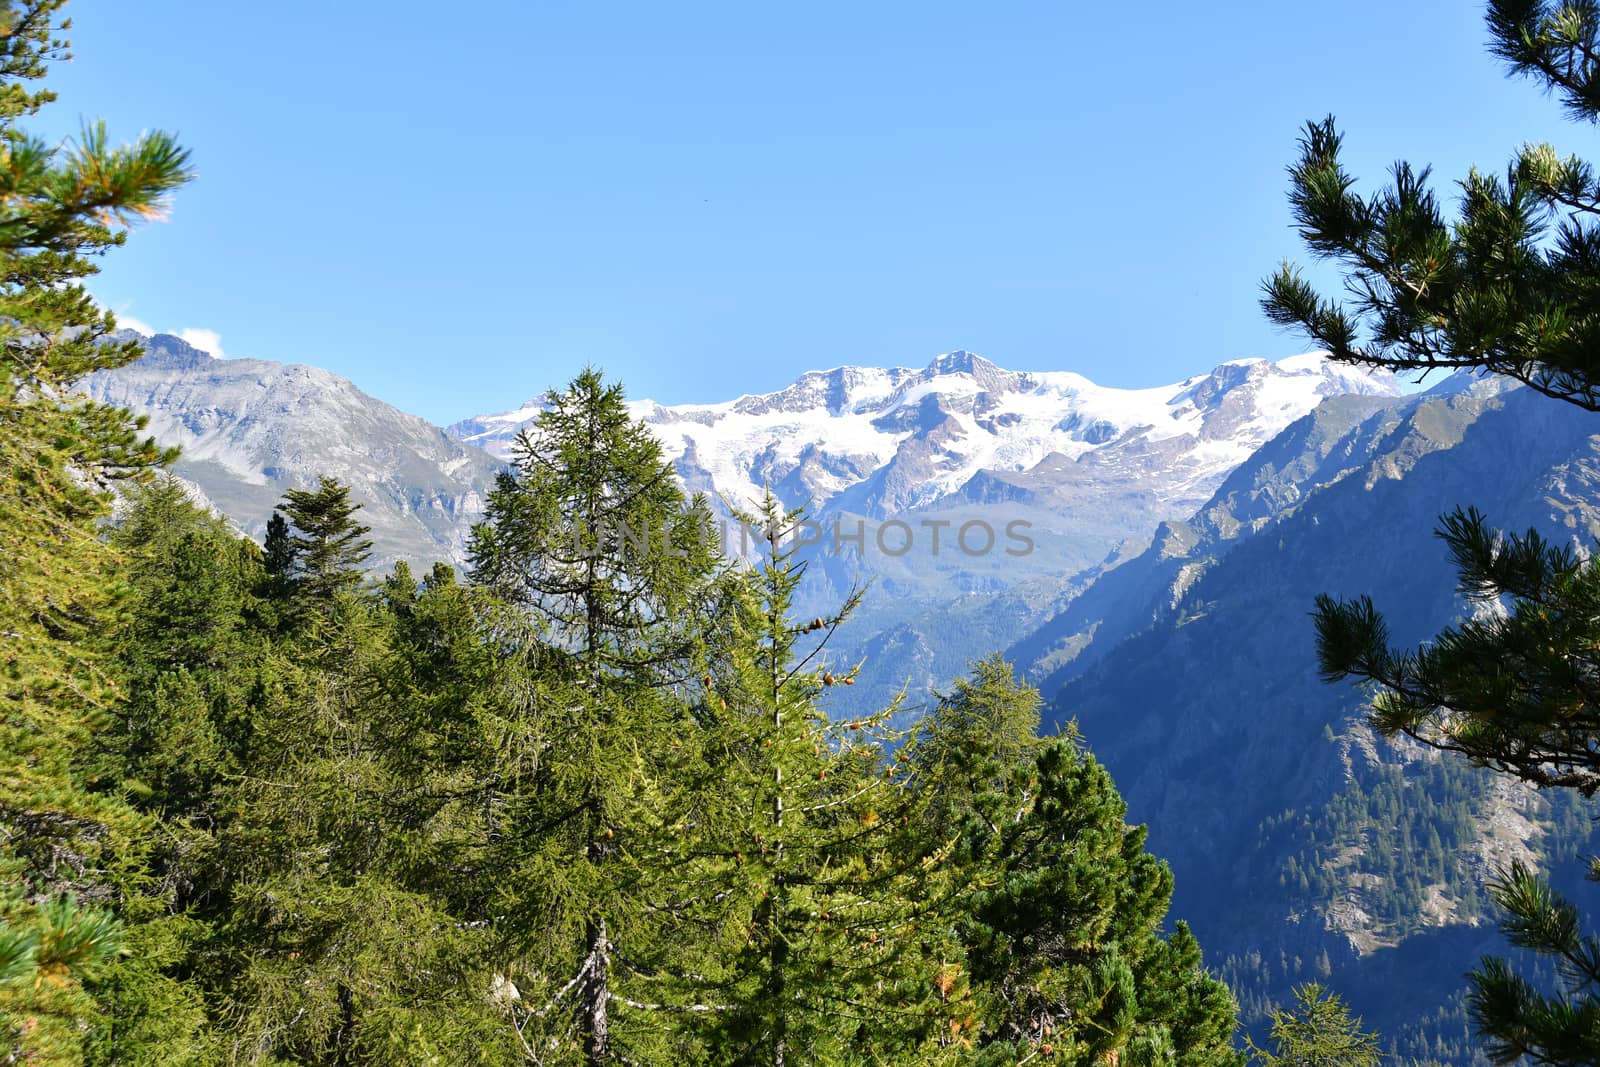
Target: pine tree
<point>337,940</point>
<point>1511,287</point>
<point>185,650</point>
<point>1523,1021</point>
<point>1054,906</point>
<point>58,453</point>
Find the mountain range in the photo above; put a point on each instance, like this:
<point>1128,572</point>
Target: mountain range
<point>1179,535</point>
<point>905,459</point>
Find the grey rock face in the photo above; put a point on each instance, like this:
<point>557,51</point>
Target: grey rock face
<point>251,429</point>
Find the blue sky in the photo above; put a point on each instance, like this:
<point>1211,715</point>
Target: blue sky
<point>458,206</point>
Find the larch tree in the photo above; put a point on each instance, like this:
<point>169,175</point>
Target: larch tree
<point>1318,1032</point>
<point>804,876</point>
<point>590,535</point>
<point>60,207</point>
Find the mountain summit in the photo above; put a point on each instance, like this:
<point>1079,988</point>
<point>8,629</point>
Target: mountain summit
<point>878,441</point>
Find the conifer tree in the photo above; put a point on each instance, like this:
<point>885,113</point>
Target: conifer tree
<point>337,942</point>
<point>1318,1033</point>
<point>328,547</point>
<point>1524,1022</point>
<point>1511,287</point>
<point>278,558</point>
<point>1508,287</point>
<point>591,536</point>
<point>805,877</point>
<point>1054,907</point>
<point>59,207</point>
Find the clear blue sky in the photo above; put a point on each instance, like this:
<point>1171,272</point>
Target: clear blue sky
<point>457,205</point>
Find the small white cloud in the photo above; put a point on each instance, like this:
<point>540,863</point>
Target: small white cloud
<point>128,322</point>
<point>208,341</point>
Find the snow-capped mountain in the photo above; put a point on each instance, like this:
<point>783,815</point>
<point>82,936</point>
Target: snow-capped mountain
<point>962,431</point>
<point>251,429</point>
<point>1086,470</point>
<point>1191,670</point>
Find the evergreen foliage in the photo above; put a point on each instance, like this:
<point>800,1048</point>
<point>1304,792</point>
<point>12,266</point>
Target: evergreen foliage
<point>323,556</point>
<point>591,536</point>
<point>1510,288</point>
<point>805,871</point>
<point>1521,1020</point>
<point>62,206</point>
<point>1318,1033</point>
<point>1509,690</point>
<point>1056,907</point>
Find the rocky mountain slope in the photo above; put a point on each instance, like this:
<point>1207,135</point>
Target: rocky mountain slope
<point>1302,844</point>
<point>251,429</point>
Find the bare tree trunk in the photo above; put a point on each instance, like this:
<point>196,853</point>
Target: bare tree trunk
<point>597,996</point>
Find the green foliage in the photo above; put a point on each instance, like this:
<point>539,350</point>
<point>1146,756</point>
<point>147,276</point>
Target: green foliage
<point>323,556</point>
<point>1318,1033</point>
<point>59,837</point>
<point>1509,287</point>
<point>587,809</point>
<point>802,870</point>
<point>1519,1019</point>
<point>1512,288</point>
<point>46,954</point>
<point>1055,907</point>
<point>1509,689</point>
<point>590,535</point>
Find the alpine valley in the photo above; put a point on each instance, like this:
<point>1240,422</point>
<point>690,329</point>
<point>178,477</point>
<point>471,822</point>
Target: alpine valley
<point>1148,556</point>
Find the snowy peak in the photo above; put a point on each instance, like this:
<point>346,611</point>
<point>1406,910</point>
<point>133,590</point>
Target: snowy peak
<point>879,440</point>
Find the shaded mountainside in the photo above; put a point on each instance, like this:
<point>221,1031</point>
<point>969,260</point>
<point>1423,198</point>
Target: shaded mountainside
<point>1302,844</point>
<point>251,429</point>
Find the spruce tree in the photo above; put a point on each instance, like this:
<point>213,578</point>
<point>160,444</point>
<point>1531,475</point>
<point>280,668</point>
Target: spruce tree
<point>278,558</point>
<point>325,554</point>
<point>62,206</point>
